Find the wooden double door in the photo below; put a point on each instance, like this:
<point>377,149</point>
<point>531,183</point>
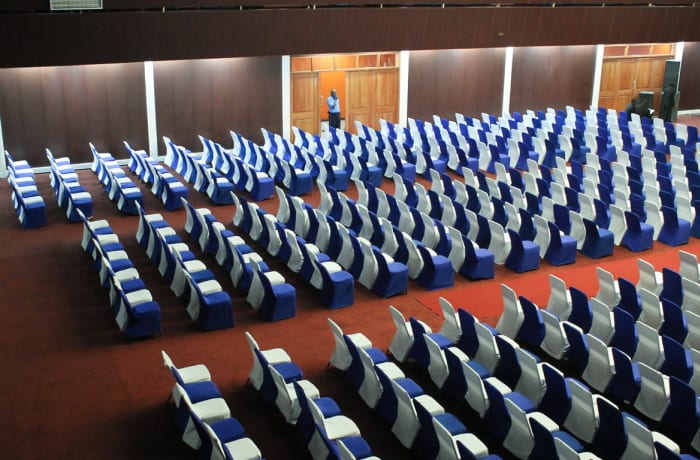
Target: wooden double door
<point>370,94</point>
<point>624,78</point>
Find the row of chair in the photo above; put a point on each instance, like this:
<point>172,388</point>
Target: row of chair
<point>412,240</point>
<point>28,203</point>
<point>447,234</point>
<point>354,157</point>
<point>298,237</point>
<point>384,158</point>
<point>657,389</point>
<point>204,418</point>
<point>266,290</point>
<point>417,420</point>
<point>233,173</point>
<point>524,208</point>
<point>196,169</point>
<point>118,185</point>
<point>188,278</point>
<point>134,310</point>
<point>71,196</point>
<point>284,241</point>
<point>522,401</point>
<point>320,425</point>
<point>166,187</point>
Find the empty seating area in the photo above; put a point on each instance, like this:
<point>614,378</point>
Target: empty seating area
<point>319,424</point>
<point>189,278</point>
<point>132,304</point>
<point>606,374</point>
<point>70,195</point>
<point>266,290</point>
<point>119,188</point>
<point>203,417</point>
<point>28,204</point>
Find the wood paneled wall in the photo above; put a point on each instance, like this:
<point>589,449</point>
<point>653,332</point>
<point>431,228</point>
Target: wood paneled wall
<point>131,36</point>
<point>552,76</point>
<point>211,97</point>
<point>64,108</point>
<point>689,85</point>
<point>444,82</point>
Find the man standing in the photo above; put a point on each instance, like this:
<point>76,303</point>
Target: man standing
<point>668,100</point>
<point>333,110</point>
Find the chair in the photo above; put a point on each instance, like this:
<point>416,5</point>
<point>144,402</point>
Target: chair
<point>608,289</point>
<point>618,224</point>
<point>402,341</point>
<point>327,429</point>
<point>270,295</point>
<point>649,278</point>
<point>561,249</point>
<point>341,357</point>
<point>689,267</point>
<point>511,320</point>
<point>500,244</point>
<point>451,326</point>
<point>681,419</point>
<point>228,440</point>
<point>209,411</point>
<point>392,277</point>
<point>674,231</point>
<point>638,236</point>
<point>260,376</point>
<point>437,272</point>
<point>582,420</point>
<point>286,399</point>
<point>468,260</point>
<point>649,347</point>
<point>419,350</point>
<point>209,304</point>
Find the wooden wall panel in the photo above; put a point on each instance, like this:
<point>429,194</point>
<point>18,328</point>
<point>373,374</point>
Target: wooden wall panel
<point>552,76</point>
<point>63,39</point>
<point>64,108</point>
<point>119,5</point>
<point>210,97</point>
<point>444,82</point>
<point>689,85</point>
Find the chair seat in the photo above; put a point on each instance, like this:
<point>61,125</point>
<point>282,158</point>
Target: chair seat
<point>201,391</point>
<point>289,371</point>
<point>243,449</point>
<point>228,429</point>
<point>340,426</point>
<point>441,340</point>
<point>451,423</point>
<point>410,386</point>
<point>194,373</point>
<point>276,356</point>
<point>357,446</point>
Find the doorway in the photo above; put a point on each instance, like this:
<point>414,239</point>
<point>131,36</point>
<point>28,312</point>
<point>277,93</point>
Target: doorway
<point>367,85</point>
<point>631,69</point>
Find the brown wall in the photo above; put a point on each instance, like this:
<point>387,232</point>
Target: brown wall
<point>64,108</point>
<point>211,97</point>
<point>689,85</point>
<point>552,76</point>
<point>444,82</point>
<point>120,5</point>
<point>132,36</point>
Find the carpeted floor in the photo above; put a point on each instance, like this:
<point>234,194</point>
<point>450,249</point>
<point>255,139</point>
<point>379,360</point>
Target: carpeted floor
<point>73,387</point>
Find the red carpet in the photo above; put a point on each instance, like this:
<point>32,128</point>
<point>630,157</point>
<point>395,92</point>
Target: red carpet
<point>73,387</point>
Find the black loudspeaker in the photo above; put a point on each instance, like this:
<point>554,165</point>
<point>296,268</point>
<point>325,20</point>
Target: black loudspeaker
<point>647,96</point>
<point>672,73</point>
